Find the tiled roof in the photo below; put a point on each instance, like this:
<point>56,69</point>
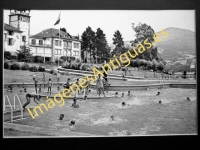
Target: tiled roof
<point>54,33</point>
<point>10,28</point>
<point>51,33</point>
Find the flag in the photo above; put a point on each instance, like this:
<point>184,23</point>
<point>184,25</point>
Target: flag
<point>58,20</point>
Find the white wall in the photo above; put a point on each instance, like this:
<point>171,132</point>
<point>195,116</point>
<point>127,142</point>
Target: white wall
<point>16,44</point>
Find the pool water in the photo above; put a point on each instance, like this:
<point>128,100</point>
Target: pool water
<point>143,116</point>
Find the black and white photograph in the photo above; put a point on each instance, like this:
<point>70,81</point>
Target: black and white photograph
<point>99,73</point>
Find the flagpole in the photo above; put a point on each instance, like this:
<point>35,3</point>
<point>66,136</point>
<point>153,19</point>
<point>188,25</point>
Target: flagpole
<point>59,42</point>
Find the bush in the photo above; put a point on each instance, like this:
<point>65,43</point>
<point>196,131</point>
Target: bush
<point>65,58</point>
<point>73,58</point>
<point>41,69</point>
<point>25,67</point>
<point>51,71</point>
<point>6,65</point>
<point>15,66</point>
<point>65,64</point>
<point>60,61</point>
<point>7,55</point>
<point>33,69</point>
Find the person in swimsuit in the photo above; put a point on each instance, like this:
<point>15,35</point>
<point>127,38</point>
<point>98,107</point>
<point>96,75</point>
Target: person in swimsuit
<point>99,85</point>
<point>58,77</point>
<point>158,94</point>
<point>35,82</point>
<point>74,105</point>
<point>9,88</point>
<point>122,95</point>
<point>86,90</point>
<point>49,84</point>
<point>28,98</point>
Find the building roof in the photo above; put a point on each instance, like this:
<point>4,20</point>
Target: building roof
<point>52,33</point>
<point>10,28</point>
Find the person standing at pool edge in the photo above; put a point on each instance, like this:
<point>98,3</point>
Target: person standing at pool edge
<point>100,85</point>
<point>49,84</point>
<point>35,82</point>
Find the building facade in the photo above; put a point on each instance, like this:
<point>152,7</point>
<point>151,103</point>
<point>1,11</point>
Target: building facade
<point>12,39</point>
<point>51,44</point>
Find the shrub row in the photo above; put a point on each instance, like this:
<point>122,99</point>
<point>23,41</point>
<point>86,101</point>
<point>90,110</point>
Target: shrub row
<point>15,66</point>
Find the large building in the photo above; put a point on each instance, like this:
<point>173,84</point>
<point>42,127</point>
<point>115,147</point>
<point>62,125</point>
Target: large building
<point>50,43</point>
<point>50,46</point>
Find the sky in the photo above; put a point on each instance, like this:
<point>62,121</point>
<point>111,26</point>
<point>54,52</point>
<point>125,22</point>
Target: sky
<point>76,21</point>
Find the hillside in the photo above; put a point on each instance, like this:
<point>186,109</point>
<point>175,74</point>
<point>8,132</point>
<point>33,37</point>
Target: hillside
<point>179,41</point>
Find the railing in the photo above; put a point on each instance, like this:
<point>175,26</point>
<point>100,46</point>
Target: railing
<point>4,106</point>
<point>12,114</point>
<point>42,45</point>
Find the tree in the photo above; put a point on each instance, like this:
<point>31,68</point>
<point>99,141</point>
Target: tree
<point>100,42</point>
<point>24,54</point>
<point>7,55</point>
<point>154,66</point>
<point>143,32</point>
<point>88,41</point>
<point>160,66</point>
<point>119,44</point>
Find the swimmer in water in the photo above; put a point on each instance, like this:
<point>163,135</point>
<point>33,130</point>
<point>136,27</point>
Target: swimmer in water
<point>159,102</point>
<point>188,99</point>
<point>112,118</point>
<point>85,98</point>
<point>72,123</point>
<point>10,88</point>
<point>123,104</point>
<point>158,94</point>
<point>61,117</point>
<point>129,93</point>
<point>116,94</point>
<point>74,105</point>
<point>122,95</point>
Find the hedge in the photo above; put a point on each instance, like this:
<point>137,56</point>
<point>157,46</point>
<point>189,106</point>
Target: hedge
<point>33,69</point>
<point>25,67</point>
<point>6,65</point>
<point>41,69</point>
<point>15,66</point>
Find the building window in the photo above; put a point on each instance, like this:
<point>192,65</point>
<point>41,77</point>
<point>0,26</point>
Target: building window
<point>58,43</point>
<point>65,44</point>
<point>58,51</point>
<point>40,42</point>
<point>10,42</point>
<point>76,45</point>
<point>23,38</point>
<point>10,32</point>
<point>76,53</point>
<point>33,41</point>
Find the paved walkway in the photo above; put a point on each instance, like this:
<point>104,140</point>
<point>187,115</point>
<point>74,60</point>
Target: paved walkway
<point>45,131</point>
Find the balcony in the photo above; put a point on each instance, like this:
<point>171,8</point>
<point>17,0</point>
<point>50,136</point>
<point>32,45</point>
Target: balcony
<point>40,45</point>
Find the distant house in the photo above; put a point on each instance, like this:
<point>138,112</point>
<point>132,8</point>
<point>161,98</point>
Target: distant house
<point>12,39</point>
<point>48,45</point>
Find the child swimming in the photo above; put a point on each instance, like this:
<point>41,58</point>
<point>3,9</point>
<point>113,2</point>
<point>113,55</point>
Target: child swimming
<point>61,117</point>
<point>74,105</point>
